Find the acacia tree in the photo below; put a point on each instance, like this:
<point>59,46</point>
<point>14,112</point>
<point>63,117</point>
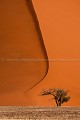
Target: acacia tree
<point>59,95</point>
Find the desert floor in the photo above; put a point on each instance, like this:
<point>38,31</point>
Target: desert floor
<point>39,113</point>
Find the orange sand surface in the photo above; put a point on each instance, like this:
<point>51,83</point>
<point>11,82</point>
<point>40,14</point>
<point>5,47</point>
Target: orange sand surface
<point>60,25</point>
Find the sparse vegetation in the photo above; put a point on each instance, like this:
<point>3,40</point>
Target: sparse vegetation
<point>59,95</point>
<point>39,113</point>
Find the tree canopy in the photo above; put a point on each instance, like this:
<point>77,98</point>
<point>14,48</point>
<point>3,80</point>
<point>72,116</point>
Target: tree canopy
<point>59,95</point>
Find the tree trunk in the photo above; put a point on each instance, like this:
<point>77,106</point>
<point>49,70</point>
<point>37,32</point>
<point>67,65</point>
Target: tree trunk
<point>57,103</point>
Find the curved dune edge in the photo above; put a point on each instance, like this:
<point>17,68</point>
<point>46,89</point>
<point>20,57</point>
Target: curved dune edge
<point>33,13</point>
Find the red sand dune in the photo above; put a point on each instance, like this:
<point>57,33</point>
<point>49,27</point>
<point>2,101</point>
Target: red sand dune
<point>60,26</point>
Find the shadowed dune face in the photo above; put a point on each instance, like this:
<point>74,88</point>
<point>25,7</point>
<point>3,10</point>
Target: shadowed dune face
<point>21,47</point>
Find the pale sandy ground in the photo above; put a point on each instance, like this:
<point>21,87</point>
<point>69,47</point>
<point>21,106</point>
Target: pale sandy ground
<point>39,113</point>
